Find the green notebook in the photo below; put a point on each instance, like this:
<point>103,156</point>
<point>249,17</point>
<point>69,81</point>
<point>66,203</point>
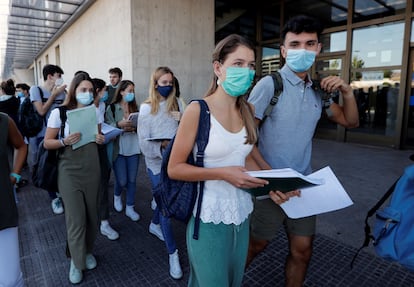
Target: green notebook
<point>284,180</point>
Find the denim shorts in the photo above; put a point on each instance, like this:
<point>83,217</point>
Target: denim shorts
<point>267,217</point>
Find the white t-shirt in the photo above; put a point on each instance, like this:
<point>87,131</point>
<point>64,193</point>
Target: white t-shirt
<point>55,122</point>
<point>101,110</point>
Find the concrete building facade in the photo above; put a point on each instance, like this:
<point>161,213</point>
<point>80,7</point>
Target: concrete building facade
<point>138,36</point>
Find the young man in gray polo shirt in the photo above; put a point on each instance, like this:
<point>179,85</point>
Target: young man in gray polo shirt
<point>53,92</point>
<point>285,138</point>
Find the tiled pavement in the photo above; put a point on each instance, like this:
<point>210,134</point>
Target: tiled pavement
<point>139,259</point>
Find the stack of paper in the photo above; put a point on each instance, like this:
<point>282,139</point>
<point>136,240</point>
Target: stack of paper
<point>110,132</point>
<point>285,179</point>
<point>133,117</point>
<point>324,192</point>
<point>83,120</point>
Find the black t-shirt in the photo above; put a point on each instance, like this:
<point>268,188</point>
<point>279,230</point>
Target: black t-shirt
<point>8,208</point>
<point>11,107</point>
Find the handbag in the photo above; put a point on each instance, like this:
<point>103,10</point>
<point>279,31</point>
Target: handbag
<point>45,170</point>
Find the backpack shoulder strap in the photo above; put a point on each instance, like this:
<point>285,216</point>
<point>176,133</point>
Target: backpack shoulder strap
<point>371,212</point>
<point>41,94</point>
<point>63,117</point>
<point>278,88</point>
<point>203,133</point>
<point>113,110</point>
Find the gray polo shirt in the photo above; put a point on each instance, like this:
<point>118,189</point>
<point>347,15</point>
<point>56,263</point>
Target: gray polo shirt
<point>35,97</point>
<point>285,137</point>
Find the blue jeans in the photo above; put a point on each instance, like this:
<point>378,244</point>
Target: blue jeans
<point>126,170</point>
<point>165,222</point>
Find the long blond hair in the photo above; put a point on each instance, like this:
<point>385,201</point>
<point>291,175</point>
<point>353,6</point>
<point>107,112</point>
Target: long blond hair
<point>223,48</point>
<point>154,97</point>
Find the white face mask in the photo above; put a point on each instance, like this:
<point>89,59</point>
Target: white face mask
<point>59,81</point>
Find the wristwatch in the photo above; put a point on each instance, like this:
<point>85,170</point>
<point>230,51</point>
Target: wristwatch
<point>16,176</point>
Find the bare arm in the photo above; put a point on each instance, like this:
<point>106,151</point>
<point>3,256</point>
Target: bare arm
<point>20,148</point>
<point>43,108</point>
<point>255,161</point>
<point>51,142</point>
<point>346,115</point>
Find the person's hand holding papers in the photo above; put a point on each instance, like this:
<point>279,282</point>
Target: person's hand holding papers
<point>126,125</point>
<point>72,138</point>
<point>279,197</point>
<point>100,139</point>
<point>237,176</point>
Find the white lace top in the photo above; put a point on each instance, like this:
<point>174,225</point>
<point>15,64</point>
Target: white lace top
<point>223,202</point>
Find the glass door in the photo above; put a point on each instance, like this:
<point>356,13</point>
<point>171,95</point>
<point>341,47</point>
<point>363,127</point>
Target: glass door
<point>408,132</point>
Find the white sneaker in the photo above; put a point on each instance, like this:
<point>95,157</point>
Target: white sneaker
<point>130,212</point>
<point>155,229</point>
<point>75,275</point>
<point>90,262</point>
<point>57,206</point>
<point>108,231</point>
<point>118,203</point>
<point>153,204</point>
<point>175,268</point>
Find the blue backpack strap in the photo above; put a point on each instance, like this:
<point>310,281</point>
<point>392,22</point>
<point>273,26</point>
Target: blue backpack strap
<point>203,132</point>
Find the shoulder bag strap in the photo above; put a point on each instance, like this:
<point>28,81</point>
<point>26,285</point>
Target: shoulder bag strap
<point>278,88</point>
<point>371,212</point>
<point>63,117</point>
<point>203,132</point>
<point>43,100</point>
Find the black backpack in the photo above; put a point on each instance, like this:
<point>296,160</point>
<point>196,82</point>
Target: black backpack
<point>44,173</point>
<point>278,89</point>
<point>30,122</point>
<point>176,198</point>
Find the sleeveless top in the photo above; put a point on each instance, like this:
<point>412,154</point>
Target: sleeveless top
<point>8,208</point>
<point>222,201</point>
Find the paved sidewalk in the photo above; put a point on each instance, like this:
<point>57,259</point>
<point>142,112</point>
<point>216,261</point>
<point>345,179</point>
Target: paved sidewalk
<point>140,259</point>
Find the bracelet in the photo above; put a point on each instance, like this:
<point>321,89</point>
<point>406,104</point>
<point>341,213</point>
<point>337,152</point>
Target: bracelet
<point>16,176</point>
<point>62,143</point>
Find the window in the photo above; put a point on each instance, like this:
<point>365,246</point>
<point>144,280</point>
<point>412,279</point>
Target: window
<point>270,60</point>
<point>369,50</point>
<point>334,42</point>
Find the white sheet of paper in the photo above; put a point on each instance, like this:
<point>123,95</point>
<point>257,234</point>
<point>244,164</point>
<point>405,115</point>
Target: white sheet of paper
<point>318,199</point>
<point>83,120</point>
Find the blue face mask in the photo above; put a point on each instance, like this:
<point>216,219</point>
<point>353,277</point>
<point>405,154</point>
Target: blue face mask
<point>104,97</point>
<point>20,94</point>
<point>300,60</point>
<point>238,81</point>
<point>129,97</point>
<point>84,98</point>
<point>164,90</point>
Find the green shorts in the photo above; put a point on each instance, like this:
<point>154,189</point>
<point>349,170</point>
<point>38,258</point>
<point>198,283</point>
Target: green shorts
<point>267,217</point>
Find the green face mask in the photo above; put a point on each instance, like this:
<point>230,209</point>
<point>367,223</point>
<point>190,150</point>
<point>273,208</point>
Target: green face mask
<point>238,81</point>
